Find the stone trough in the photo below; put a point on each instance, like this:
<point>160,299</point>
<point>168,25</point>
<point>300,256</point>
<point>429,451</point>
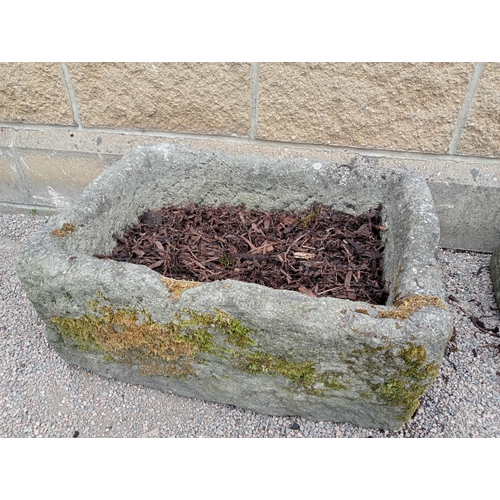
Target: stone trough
<point>272,351</point>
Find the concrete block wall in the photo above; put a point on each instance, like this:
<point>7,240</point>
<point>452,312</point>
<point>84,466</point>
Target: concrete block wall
<point>61,124</point>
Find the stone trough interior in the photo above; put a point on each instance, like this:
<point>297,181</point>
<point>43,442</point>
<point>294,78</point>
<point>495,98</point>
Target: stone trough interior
<point>266,185</point>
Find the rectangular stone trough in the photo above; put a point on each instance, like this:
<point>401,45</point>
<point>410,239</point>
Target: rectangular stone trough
<point>272,351</point>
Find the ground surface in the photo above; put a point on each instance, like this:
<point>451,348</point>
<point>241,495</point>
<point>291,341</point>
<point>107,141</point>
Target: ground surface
<point>42,396</point>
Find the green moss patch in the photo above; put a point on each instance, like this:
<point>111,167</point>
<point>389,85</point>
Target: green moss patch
<point>405,371</point>
<point>131,337</point>
<point>234,332</point>
<point>303,375</point>
<point>172,349</point>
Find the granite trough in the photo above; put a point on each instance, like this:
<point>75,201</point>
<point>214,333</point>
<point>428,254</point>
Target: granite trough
<point>272,351</point>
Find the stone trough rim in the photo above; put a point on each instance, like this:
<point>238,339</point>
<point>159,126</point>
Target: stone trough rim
<point>56,221</point>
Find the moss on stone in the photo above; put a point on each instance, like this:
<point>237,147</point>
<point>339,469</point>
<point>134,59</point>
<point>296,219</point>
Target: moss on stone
<point>176,287</point>
<point>330,380</point>
<point>234,332</point>
<point>405,372</point>
<point>131,337</point>
<point>81,330</point>
<point>303,375</point>
<point>408,306</point>
<point>66,230</point>
<point>121,335</point>
<point>361,311</point>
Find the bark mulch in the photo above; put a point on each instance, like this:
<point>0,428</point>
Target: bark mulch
<point>319,252</point>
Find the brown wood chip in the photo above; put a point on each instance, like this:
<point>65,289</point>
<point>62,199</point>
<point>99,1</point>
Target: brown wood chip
<point>319,252</point>
<point>304,255</point>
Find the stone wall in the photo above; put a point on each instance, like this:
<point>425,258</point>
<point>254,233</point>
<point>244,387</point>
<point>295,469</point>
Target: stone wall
<point>61,124</point>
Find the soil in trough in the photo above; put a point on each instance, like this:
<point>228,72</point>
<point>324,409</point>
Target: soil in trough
<point>319,252</point>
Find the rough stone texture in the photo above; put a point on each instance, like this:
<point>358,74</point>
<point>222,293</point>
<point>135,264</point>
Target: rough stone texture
<point>34,93</point>
<point>399,106</point>
<point>272,351</point>
<point>481,136</point>
<point>206,98</point>
<point>56,179</point>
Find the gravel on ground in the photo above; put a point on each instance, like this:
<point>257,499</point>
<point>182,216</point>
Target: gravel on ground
<point>43,396</point>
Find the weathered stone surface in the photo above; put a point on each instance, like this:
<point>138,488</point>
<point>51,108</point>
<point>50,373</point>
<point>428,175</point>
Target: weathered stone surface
<point>272,351</point>
<point>34,93</point>
<point>56,179</point>
<point>481,135</point>
<point>206,98</point>
<point>399,106</point>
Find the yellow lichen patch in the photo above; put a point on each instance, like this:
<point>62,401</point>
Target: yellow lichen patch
<point>176,287</point>
<point>409,305</point>
<point>66,230</point>
<point>361,311</point>
<point>155,348</point>
<point>123,334</point>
